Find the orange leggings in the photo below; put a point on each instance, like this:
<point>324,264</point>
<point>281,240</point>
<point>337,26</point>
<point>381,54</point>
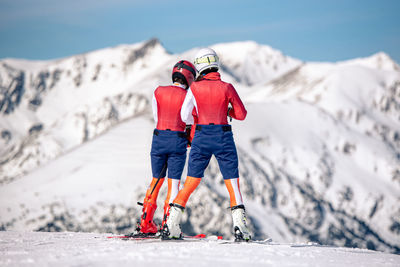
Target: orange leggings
<point>234,191</point>
<point>152,197</point>
<point>183,195</point>
<point>173,188</point>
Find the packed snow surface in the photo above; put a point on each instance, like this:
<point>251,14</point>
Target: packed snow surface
<point>88,249</point>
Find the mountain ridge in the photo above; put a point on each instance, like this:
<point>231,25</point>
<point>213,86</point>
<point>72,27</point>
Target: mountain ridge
<point>319,151</point>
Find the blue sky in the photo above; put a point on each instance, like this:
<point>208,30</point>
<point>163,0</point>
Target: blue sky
<point>309,30</point>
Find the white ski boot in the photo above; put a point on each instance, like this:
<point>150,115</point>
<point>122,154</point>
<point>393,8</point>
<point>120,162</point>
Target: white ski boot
<point>172,229</point>
<point>242,233</point>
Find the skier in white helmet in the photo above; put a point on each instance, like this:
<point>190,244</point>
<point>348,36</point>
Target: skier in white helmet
<point>206,107</point>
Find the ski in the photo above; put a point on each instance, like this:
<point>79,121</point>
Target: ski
<point>196,238</point>
<point>199,237</point>
<point>262,242</point>
<point>137,236</point>
<point>147,237</point>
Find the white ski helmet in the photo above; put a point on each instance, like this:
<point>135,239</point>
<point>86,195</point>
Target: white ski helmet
<point>206,58</point>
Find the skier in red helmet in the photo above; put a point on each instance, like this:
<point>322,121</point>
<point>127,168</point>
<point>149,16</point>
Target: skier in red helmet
<point>168,149</point>
<point>209,98</point>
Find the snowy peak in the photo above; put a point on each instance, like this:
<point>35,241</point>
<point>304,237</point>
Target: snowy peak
<point>31,80</point>
<point>378,61</point>
<point>133,51</point>
<point>334,85</point>
<point>251,63</point>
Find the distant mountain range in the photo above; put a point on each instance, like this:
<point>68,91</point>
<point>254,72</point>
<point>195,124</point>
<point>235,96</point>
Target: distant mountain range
<point>319,151</point>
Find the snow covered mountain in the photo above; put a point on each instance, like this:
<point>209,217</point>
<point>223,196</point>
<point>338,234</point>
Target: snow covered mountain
<point>319,151</point>
<point>50,107</point>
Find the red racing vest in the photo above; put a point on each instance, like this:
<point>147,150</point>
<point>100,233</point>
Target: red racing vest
<point>211,99</point>
<point>167,103</point>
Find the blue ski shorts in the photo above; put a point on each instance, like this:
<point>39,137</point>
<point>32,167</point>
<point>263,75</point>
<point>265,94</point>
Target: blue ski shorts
<point>168,147</point>
<point>214,140</point>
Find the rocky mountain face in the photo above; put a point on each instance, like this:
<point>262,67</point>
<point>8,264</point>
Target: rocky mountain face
<point>319,151</point>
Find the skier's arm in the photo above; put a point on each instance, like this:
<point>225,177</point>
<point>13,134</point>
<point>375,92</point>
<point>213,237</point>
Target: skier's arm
<point>238,111</point>
<point>154,107</point>
<point>187,108</point>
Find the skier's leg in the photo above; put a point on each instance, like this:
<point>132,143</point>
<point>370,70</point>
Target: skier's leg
<point>172,228</point>
<point>158,166</point>
<point>198,161</point>
<point>228,163</point>
<point>234,191</point>
<point>173,188</point>
<point>155,187</point>
<point>176,163</point>
<point>149,207</point>
<point>190,185</point>
<point>238,211</point>
<point>199,158</point>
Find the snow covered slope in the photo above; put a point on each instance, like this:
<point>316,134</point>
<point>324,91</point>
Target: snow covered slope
<point>319,151</point>
<point>72,249</point>
<point>251,63</point>
<point>92,188</point>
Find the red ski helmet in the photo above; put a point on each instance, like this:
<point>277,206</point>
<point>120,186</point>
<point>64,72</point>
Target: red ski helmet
<point>185,71</point>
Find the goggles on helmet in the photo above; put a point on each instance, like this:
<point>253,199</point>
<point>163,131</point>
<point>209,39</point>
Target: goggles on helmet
<point>206,59</point>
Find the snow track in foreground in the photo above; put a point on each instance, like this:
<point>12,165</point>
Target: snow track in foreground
<point>89,249</point>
